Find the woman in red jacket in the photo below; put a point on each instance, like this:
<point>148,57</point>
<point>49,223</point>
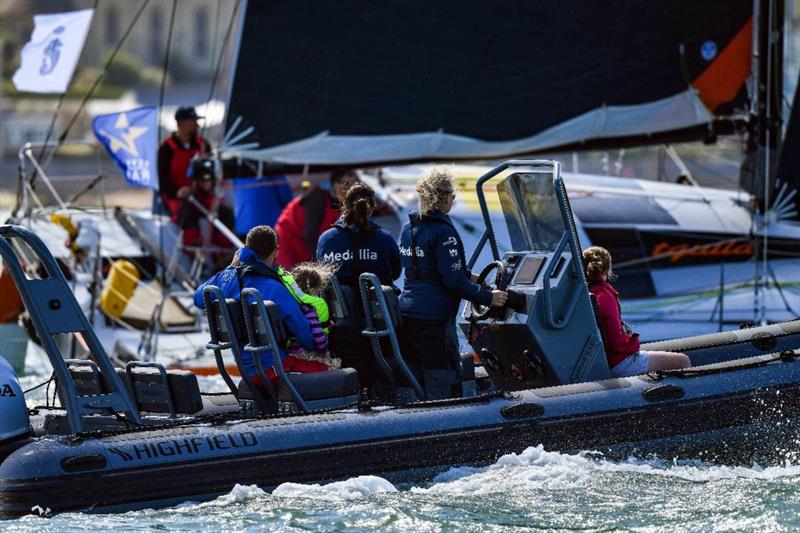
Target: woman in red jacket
<point>622,346</point>
<point>307,217</point>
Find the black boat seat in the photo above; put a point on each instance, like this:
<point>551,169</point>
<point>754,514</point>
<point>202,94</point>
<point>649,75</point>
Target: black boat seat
<point>318,390</point>
<point>345,308</point>
<point>392,303</point>
<point>315,386</point>
<point>219,404</point>
<point>321,385</point>
<point>147,386</point>
<point>152,396</point>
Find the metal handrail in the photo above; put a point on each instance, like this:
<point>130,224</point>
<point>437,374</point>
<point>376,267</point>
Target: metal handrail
<point>213,294</point>
<point>364,281</point>
<point>44,298</point>
<point>164,382</point>
<point>488,233</point>
<point>250,296</point>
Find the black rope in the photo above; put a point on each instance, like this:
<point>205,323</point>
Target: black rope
<point>40,385</point>
<point>215,33</point>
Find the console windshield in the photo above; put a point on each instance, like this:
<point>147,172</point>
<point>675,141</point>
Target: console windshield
<point>531,211</point>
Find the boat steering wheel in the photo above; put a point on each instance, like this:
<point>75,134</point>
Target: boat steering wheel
<point>480,312</point>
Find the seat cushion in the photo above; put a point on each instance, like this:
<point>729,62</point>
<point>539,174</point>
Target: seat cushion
<point>322,385</point>
<point>151,395</point>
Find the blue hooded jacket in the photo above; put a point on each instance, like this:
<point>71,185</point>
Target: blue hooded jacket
<point>438,280</point>
<point>270,289</point>
<point>360,251</point>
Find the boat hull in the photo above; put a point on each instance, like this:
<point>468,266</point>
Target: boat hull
<point>713,416</point>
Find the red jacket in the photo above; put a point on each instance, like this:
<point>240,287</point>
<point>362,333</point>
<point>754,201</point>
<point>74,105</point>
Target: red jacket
<point>619,344</point>
<point>301,223</point>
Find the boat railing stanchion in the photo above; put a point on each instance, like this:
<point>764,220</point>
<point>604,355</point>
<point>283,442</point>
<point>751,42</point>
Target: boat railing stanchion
<point>261,338</point>
<point>223,337</point>
<point>368,283</point>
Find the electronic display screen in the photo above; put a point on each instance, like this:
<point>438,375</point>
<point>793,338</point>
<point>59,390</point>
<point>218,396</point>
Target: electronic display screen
<point>528,270</point>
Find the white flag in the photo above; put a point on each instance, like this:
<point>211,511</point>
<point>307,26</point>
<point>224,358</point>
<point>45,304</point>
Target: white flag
<point>49,58</point>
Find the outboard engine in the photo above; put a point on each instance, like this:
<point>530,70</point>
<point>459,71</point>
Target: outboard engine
<point>14,421</point>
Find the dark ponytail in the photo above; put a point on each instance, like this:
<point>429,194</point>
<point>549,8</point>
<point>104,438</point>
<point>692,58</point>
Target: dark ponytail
<point>358,205</point>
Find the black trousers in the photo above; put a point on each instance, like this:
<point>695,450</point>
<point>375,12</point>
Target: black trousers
<point>432,346</point>
<point>355,351</point>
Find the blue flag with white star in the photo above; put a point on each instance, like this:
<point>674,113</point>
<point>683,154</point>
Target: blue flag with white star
<point>131,138</point>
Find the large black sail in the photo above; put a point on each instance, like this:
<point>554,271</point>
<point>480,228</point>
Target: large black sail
<point>786,199</point>
<point>360,81</point>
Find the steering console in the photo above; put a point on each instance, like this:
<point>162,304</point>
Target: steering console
<point>516,301</point>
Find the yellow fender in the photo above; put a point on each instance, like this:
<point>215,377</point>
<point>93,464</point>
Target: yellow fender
<point>123,278</point>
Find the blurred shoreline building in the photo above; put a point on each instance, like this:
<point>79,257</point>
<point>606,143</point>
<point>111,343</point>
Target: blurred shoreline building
<point>133,79</point>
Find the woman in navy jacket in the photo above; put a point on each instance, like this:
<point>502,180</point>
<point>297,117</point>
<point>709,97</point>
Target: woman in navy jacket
<point>436,280</point>
<point>358,245</point>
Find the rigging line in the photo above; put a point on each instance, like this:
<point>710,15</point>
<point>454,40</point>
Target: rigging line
<point>158,114</point>
<point>46,139</point>
<point>102,74</point>
<point>771,273</point>
<point>216,37</point>
<point>165,68</point>
<point>225,41</point>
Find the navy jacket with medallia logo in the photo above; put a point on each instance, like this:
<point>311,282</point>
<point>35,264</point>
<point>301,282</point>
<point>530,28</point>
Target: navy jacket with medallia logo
<point>436,275</point>
<point>357,251</point>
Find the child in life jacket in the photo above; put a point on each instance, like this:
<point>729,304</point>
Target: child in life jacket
<point>312,278</point>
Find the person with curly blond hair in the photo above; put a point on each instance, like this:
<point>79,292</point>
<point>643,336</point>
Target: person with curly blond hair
<point>436,280</point>
<point>622,345</point>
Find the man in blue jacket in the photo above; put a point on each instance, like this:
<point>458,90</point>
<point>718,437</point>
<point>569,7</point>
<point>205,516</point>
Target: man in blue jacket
<point>436,280</point>
<point>255,267</point>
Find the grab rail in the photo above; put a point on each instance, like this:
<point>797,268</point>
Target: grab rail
<point>364,281</point>
<point>164,382</point>
<point>252,296</point>
<point>53,310</point>
<point>214,299</point>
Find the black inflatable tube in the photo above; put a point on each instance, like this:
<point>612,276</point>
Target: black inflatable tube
<point>154,486</point>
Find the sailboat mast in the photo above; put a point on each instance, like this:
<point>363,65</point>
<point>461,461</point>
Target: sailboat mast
<point>765,114</point>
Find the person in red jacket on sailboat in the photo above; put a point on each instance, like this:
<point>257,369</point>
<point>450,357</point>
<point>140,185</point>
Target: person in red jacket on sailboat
<point>308,216</point>
<point>184,169</point>
<point>622,346</point>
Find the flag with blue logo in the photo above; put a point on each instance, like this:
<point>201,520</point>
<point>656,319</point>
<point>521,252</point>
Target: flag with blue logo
<point>131,138</point>
<point>49,58</point>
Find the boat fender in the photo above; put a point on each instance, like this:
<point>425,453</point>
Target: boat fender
<point>14,421</point>
<point>764,341</point>
<point>123,278</point>
<point>522,410</point>
<point>663,392</point>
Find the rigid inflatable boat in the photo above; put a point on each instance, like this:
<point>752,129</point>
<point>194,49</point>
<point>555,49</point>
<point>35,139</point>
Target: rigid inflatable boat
<point>143,436</point>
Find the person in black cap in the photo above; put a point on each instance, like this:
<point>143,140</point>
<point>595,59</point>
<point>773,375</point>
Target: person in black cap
<point>184,169</point>
<point>175,156</point>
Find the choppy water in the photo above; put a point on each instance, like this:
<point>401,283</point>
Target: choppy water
<point>533,490</point>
